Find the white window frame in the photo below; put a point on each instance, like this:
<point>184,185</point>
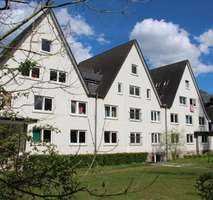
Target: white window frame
<point>136,66</point>
<point>48,52</point>
<point>134,119</point>
<point>187,85</point>
<point>110,138</point>
<point>189,138</point>
<point>120,84</point>
<point>175,116</point>
<point>181,102</point>
<point>206,141</point>
<point>78,134</point>
<point>30,74</point>
<point>77,113</point>
<point>110,111</point>
<point>135,143</point>
<point>202,119</point>
<point>155,116</point>
<point>42,136</point>
<point>134,89</point>
<point>155,138</point>
<point>43,104</point>
<point>58,71</point>
<point>148,94</point>
<point>187,118</point>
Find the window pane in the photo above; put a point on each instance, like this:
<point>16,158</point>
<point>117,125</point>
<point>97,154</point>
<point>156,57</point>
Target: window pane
<point>119,88</point>
<point>73,136</point>
<point>114,112</point>
<point>53,75</point>
<point>45,45</point>
<point>137,114</point>
<point>134,69</point>
<point>35,72</point>
<point>132,114</point>
<point>73,106</point>
<point>107,111</point>
<point>25,71</point>
<point>62,77</point>
<point>38,101</point>
<point>81,137</point>
<point>132,138</point>
<point>47,136</point>
<point>36,135</point>
<point>114,137</point>
<point>82,108</point>
<point>137,91</point>
<point>138,138</point>
<point>107,137</point>
<point>131,90</point>
<point>148,94</point>
<point>48,104</point>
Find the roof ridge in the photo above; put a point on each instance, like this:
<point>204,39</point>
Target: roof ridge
<point>168,65</point>
<point>111,49</point>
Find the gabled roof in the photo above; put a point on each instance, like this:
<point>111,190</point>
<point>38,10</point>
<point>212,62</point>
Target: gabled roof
<point>8,52</point>
<point>167,79</point>
<point>102,69</point>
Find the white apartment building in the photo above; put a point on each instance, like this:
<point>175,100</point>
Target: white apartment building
<point>109,103</point>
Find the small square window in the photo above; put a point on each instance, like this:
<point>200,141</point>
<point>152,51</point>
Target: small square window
<point>134,69</point>
<point>45,45</point>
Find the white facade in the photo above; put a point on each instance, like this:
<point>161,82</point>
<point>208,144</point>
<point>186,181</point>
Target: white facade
<point>98,133</point>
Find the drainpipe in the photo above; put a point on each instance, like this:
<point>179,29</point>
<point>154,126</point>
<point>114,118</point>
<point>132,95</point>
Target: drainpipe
<point>96,119</point>
<point>166,131</point>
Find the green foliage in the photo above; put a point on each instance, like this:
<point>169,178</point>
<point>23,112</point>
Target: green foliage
<point>26,66</point>
<point>204,186</point>
<point>99,159</point>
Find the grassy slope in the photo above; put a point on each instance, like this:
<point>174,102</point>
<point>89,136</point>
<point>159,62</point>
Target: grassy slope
<point>149,181</point>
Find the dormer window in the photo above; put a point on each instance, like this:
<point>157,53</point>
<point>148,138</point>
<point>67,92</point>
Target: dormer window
<point>45,45</point>
<point>187,84</point>
<point>134,69</point>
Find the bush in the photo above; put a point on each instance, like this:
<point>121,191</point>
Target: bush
<point>204,185</point>
<point>88,159</point>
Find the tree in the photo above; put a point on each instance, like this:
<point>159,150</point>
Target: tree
<point>21,176</point>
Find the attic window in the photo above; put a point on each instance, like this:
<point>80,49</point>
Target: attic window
<point>187,84</point>
<point>134,69</point>
<point>45,45</point>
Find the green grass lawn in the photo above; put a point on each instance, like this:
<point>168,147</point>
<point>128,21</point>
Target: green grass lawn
<point>176,180</point>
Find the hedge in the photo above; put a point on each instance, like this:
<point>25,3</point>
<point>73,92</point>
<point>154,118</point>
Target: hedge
<point>88,159</point>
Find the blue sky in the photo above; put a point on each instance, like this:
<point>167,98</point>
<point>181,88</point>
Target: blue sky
<point>195,17</point>
<point>167,30</point>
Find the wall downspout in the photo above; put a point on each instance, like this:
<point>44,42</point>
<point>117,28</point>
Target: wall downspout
<point>166,132</point>
<point>95,136</point>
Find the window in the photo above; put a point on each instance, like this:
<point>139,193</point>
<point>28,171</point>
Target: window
<point>58,76</point>
<point>135,138</point>
<point>155,116</point>
<point>78,107</point>
<point>42,103</point>
<point>110,111</point>
<point>187,84</point>
<point>77,137</point>
<point>155,138</point>
<point>148,94</point>
<point>33,73</point>
<point>182,100</point>
<point>204,139</point>
<point>189,138</point>
<point>41,135</point>
<point>174,118</point>
<point>110,137</point>
<point>189,119</point>
<point>45,45</point>
<point>120,88</point>
<point>192,102</point>
<point>135,114</point>
<point>134,90</point>
<point>174,138</point>
<point>134,69</point>
<point>201,121</point>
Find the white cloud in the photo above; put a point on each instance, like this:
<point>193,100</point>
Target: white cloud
<point>102,40</point>
<point>206,40</point>
<point>164,42</point>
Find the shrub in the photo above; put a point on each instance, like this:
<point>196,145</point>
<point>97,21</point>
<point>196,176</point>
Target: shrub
<point>88,159</point>
<point>204,185</point>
